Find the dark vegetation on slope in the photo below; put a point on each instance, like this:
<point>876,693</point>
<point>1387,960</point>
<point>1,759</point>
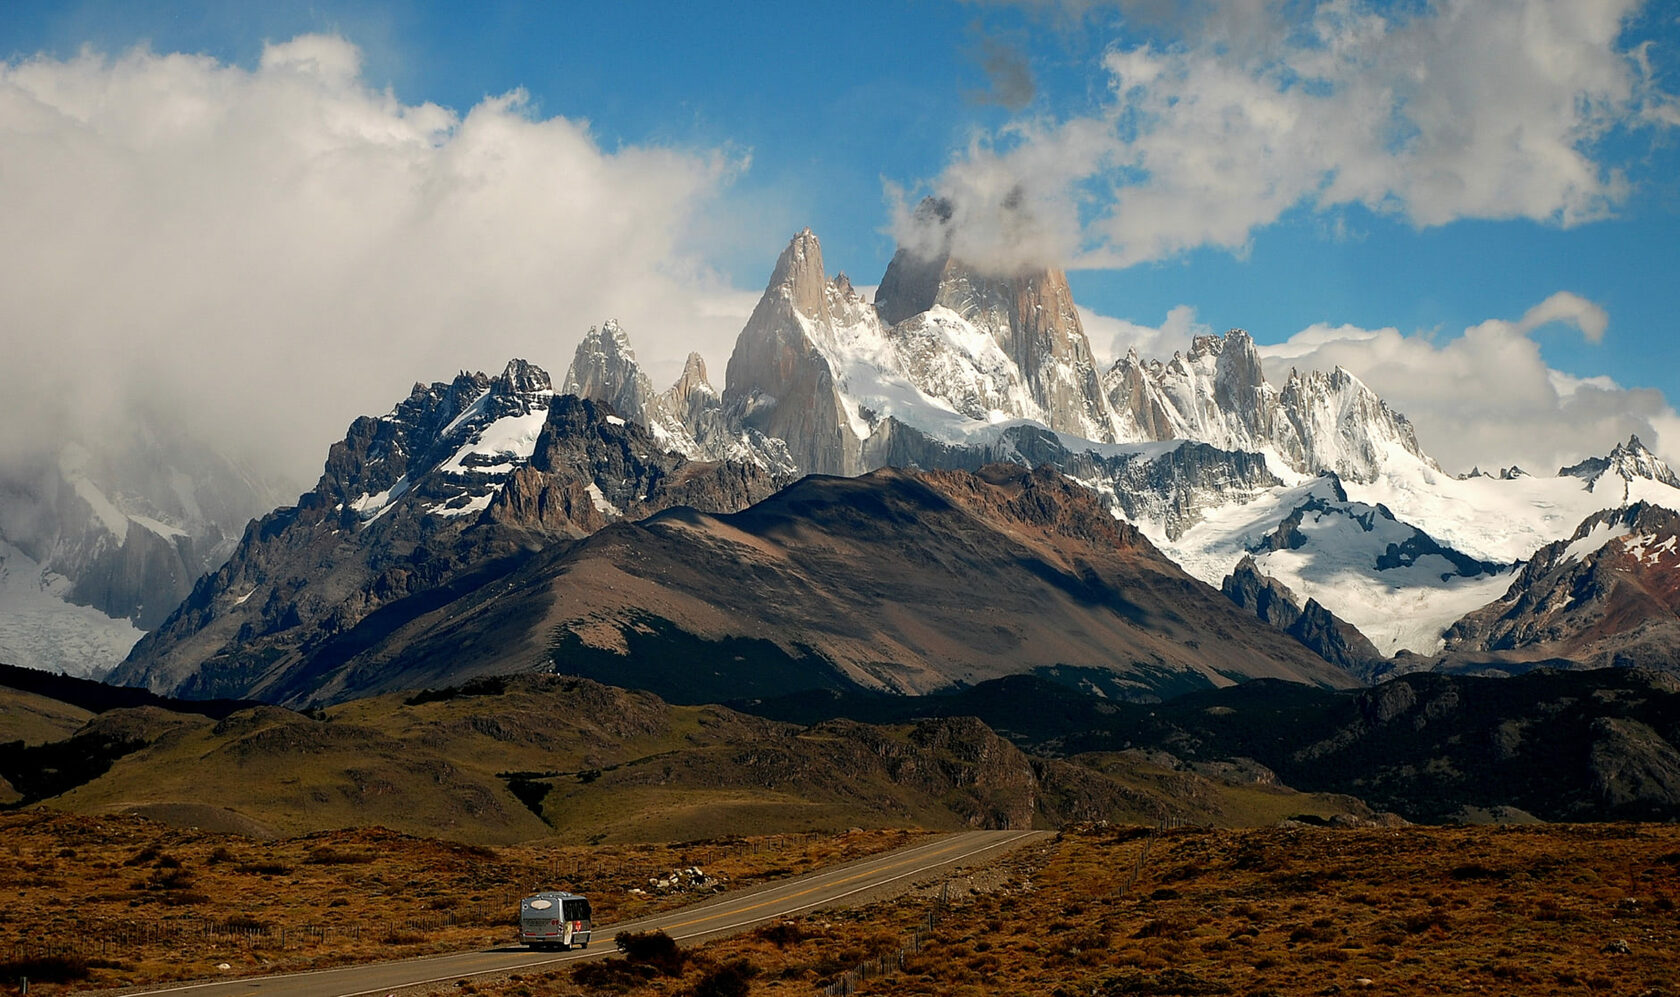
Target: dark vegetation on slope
<point>39,771</point>
<point>1560,745</point>
<point>97,697</point>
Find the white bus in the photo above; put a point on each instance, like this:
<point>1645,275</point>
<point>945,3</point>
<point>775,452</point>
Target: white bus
<point>555,920</point>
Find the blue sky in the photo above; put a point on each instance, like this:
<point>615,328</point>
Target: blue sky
<point>1368,209</point>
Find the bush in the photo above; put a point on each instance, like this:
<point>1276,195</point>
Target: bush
<point>652,948</point>
<point>610,975</point>
<point>266,869</point>
<point>782,934</point>
<point>1476,870</point>
<point>142,856</point>
<point>44,969</point>
<point>729,980</point>
<point>331,856</point>
<point>1165,927</point>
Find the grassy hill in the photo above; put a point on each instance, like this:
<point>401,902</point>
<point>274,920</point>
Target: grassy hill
<point>36,719</point>
<point>519,758</point>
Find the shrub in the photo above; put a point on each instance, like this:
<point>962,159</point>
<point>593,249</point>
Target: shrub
<point>44,969</point>
<point>732,979</point>
<point>1476,870</point>
<point>652,948</point>
<point>1421,922</point>
<point>266,869</point>
<point>782,934</point>
<point>184,898</point>
<point>611,975</point>
<point>331,856</point>
<point>1165,927</point>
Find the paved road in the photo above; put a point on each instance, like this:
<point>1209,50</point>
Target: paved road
<point>727,914</point>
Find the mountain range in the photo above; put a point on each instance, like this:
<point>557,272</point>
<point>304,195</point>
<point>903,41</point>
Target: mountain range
<point>100,540</point>
<point>857,508</point>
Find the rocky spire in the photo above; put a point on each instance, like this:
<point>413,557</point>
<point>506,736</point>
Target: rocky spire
<point>778,381</point>
<point>521,377</point>
<point>1029,313</point>
<point>800,278</point>
<point>693,378</point>
<point>604,369</point>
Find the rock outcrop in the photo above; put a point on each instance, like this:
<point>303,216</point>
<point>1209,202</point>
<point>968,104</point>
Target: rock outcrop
<point>1332,639</point>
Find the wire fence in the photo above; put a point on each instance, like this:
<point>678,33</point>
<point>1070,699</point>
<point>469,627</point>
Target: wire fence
<point>846,983</point>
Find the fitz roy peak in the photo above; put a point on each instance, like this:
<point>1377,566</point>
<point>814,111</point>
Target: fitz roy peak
<point>952,367</point>
<point>470,493</point>
<point>959,357</point>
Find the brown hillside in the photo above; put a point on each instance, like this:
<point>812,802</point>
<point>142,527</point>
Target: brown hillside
<point>898,581</point>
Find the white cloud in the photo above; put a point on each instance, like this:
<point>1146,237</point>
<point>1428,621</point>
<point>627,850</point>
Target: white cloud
<point>1458,109</point>
<point>1486,397</point>
<point>1571,308</point>
<point>269,252</point>
<point>1111,338</point>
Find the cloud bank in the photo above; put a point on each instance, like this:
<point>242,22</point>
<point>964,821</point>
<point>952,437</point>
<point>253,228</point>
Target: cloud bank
<point>262,254</point>
<point>1491,109</point>
<point>1487,398</point>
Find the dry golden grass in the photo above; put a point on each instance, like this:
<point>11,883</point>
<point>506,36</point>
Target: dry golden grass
<point>134,901</point>
<point>35,719</point>
<point>1531,910</point>
<point>1568,909</point>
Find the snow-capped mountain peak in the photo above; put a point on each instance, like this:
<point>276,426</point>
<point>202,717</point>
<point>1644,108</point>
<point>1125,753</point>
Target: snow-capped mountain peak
<point>451,445</point>
<point>1630,462</point>
<point>693,380</point>
<point>100,541</point>
<point>604,368</point>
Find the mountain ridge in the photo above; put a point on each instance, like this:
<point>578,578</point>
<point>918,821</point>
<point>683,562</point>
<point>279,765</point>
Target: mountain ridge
<point>950,368</point>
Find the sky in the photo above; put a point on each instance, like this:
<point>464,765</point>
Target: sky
<point>260,221</point>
